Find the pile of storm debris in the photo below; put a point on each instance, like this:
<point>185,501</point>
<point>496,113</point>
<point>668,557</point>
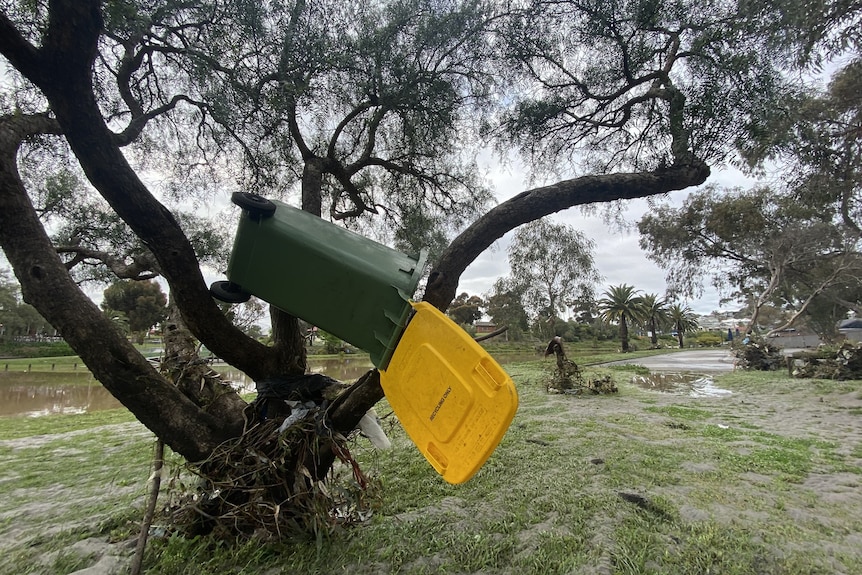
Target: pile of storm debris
<point>826,362</point>
<point>262,483</point>
<point>567,377</point>
<point>842,363</point>
<point>756,354</point>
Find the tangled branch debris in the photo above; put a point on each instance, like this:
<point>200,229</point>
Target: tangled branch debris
<point>264,484</point>
<point>567,377</point>
<point>828,363</point>
<point>758,355</point>
<point>275,479</point>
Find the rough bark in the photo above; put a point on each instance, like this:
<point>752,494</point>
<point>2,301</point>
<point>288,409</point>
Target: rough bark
<point>46,284</point>
<point>288,342</point>
<point>624,334</point>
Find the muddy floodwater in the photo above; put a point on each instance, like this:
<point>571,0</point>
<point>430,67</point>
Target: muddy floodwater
<point>693,385</point>
<point>36,394</point>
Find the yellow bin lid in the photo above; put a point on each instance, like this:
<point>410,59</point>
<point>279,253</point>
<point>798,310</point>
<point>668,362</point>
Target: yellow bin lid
<point>453,400</point>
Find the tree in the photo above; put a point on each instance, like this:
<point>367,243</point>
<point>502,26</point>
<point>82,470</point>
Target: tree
<point>763,245</point>
<point>683,320</point>
<point>248,316</point>
<point>505,307</point>
<point>8,305</point>
<point>466,309</point>
<point>17,318</point>
<point>359,104</point>
<point>551,264</point>
<point>814,136</point>
<point>142,302</point>
<point>586,310</point>
<point>621,305</point>
<point>654,313</point>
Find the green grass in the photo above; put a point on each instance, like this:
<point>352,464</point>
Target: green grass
<point>638,482</point>
<point>64,364</point>
<point>681,412</point>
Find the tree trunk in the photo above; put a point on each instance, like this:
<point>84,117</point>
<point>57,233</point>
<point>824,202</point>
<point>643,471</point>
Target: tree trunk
<point>62,69</point>
<point>624,334</point>
<point>47,286</point>
<point>312,184</point>
<point>288,342</point>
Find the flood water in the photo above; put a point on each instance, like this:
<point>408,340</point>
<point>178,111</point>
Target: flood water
<point>693,385</point>
<point>37,394</point>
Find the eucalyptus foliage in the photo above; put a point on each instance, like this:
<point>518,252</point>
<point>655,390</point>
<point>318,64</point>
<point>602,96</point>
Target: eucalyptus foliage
<point>757,245</point>
<point>551,265</point>
<point>637,84</point>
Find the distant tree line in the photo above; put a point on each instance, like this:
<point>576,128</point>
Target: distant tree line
<point>19,320</point>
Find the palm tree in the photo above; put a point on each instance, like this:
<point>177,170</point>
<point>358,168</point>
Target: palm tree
<point>654,312</point>
<point>621,304</point>
<point>683,319</point>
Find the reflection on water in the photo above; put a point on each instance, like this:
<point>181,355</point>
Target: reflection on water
<point>37,393</point>
<point>680,383</point>
<point>50,393</point>
<point>343,369</point>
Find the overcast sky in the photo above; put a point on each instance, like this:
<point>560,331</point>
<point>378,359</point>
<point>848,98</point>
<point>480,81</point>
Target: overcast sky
<point>617,255</point>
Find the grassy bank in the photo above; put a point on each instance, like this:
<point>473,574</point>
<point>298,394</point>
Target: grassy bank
<point>766,480</point>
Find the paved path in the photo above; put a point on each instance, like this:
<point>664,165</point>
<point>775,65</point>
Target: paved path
<point>698,360</point>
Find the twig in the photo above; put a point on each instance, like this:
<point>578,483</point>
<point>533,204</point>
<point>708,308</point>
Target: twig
<point>158,462</point>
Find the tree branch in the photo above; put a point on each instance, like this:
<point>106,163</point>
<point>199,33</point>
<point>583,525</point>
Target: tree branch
<point>46,284</point>
<point>70,47</point>
<point>540,202</point>
<point>23,56</point>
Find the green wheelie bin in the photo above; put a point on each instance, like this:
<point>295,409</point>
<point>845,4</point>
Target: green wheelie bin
<point>348,285</point>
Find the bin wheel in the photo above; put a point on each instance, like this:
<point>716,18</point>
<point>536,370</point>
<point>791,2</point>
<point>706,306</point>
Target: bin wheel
<point>229,292</point>
<point>257,206</point>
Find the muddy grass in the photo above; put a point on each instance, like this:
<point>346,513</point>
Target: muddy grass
<point>764,480</point>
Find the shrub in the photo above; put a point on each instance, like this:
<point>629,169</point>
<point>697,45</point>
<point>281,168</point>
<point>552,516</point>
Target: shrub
<point>331,343</point>
<point>709,339</point>
<point>35,349</point>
